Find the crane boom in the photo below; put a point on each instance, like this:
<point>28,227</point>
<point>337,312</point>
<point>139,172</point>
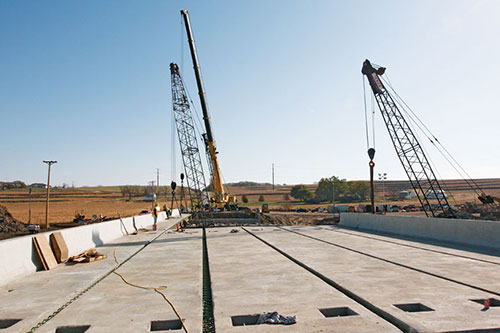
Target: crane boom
<point>220,195</point>
<point>408,149</point>
<point>187,139</point>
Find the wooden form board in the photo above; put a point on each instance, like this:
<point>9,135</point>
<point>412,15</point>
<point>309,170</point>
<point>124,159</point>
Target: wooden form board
<point>45,252</point>
<point>59,246</point>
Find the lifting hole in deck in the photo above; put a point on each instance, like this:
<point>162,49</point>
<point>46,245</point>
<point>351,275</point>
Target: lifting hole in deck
<point>338,312</point>
<point>6,323</point>
<point>493,301</point>
<point>245,320</point>
<point>72,329</point>
<point>166,325</point>
<point>480,330</point>
<point>413,307</point>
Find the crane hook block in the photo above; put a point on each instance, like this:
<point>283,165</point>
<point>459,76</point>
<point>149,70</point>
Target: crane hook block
<point>371,153</point>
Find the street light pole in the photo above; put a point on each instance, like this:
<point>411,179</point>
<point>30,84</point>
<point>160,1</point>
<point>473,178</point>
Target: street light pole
<point>48,194</point>
<point>273,176</point>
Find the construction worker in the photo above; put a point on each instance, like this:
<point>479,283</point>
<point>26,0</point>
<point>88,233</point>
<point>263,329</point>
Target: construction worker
<point>154,213</point>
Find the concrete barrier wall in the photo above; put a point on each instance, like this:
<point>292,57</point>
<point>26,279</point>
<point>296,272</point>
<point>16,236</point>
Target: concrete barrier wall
<point>18,256</point>
<point>485,234</point>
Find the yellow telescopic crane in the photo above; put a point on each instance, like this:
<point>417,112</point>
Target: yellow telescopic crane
<point>220,196</point>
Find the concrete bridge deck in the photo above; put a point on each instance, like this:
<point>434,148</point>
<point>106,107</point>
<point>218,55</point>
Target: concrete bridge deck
<point>368,282</point>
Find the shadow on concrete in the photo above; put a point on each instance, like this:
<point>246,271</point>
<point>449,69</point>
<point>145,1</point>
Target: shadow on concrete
<point>96,238</point>
<point>124,244</point>
<point>446,244</point>
<point>164,240</point>
<point>35,258</point>
<point>172,238</point>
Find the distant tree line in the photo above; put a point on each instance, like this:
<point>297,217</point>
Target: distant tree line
<point>333,188</point>
<point>136,190</point>
<point>12,185</point>
<point>247,184</point>
<point>139,191</point>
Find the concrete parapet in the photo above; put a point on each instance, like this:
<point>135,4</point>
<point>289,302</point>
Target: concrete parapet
<point>478,233</point>
<point>18,256</point>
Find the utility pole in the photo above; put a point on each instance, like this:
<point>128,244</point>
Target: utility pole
<point>158,182</point>
<point>48,194</point>
<point>152,183</point>
<point>273,176</point>
<point>333,192</point>
<point>29,208</point>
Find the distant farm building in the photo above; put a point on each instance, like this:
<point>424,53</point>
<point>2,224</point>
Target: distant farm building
<point>38,185</point>
<point>437,195</point>
<point>406,195</point>
<point>150,197</point>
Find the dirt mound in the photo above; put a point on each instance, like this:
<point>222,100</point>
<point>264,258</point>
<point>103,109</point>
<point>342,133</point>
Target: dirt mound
<point>297,218</point>
<point>8,224</point>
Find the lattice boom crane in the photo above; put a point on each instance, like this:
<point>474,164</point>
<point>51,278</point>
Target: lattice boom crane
<point>408,149</point>
<point>187,138</point>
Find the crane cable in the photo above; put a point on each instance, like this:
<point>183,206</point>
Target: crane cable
<point>416,134</point>
<point>432,138</point>
<point>428,156</point>
<point>433,165</point>
<point>366,118</point>
<point>366,114</point>
<point>470,182</point>
<point>426,153</point>
<point>173,120</point>
<point>182,47</point>
<point>198,125</point>
<point>196,116</point>
<point>373,118</point>
<point>156,289</point>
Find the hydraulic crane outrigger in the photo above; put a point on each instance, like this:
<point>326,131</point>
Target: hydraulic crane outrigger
<point>408,149</point>
<point>220,196</point>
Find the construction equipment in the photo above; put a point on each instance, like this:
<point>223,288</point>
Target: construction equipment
<point>220,197</point>
<point>408,149</point>
<point>188,140</point>
<point>488,199</point>
<point>265,208</point>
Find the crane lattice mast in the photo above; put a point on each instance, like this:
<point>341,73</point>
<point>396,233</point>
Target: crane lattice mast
<point>187,139</point>
<point>408,149</point>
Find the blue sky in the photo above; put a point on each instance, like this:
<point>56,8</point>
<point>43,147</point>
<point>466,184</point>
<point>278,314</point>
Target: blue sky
<point>88,84</point>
